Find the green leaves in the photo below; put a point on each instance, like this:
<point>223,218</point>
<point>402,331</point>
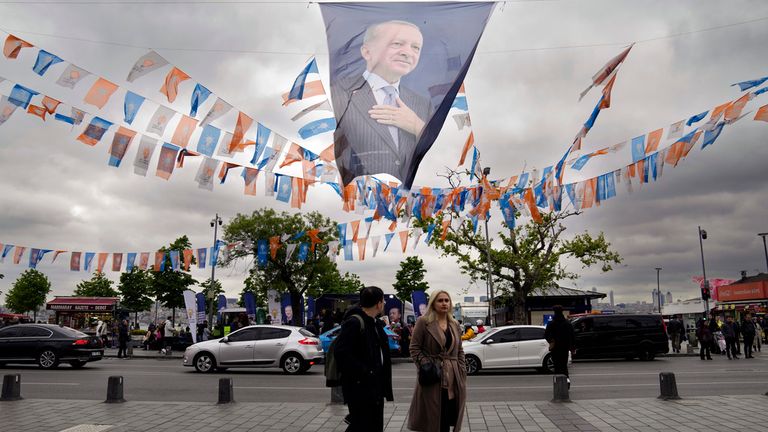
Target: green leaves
<point>28,292</point>
<point>410,277</point>
<point>136,289</point>
<point>98,286</point>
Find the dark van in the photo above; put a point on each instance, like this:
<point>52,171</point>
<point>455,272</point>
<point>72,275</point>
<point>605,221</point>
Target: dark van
<point>619,336</point>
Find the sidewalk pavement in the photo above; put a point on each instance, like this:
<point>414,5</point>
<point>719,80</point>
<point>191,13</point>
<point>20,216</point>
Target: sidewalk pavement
<point>619,415</point>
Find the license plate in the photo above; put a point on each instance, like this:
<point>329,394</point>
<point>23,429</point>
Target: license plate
<point>96,354</point>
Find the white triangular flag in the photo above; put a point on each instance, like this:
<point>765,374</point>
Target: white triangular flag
<point>146,64</point>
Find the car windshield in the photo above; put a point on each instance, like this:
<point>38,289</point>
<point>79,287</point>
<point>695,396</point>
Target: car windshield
<point>485,335</point>
<point>306,333</point>
<point>70,332</point>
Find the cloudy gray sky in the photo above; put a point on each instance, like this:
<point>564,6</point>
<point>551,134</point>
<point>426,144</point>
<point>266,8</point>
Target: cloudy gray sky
<point>533,61</point>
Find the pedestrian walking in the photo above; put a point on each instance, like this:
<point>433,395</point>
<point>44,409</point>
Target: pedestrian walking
<point>675,328</point>
<point>729,332</point>
<point>436,345</point>
<point>704,335</point>
<point>758,334</point>
<point>737,332</point>
<point>559,334</point>
<point>748,330</point>
<point>362,354</point>
<point>167,336</point>
<point>122,338</point>
<point>206,333</point>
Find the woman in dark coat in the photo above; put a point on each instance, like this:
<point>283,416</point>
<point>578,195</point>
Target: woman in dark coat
<point>437,336</point>
<point>704,335</point>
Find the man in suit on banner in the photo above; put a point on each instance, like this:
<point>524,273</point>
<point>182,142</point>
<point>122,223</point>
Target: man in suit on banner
<point>379,121</point>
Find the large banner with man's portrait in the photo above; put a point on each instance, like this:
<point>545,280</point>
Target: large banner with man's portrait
<point>395,69</point>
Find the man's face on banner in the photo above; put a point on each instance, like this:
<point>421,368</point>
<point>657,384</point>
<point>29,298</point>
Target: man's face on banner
<point>392,50</point>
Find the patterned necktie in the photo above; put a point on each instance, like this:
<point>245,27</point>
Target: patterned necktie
<point>390,99</point>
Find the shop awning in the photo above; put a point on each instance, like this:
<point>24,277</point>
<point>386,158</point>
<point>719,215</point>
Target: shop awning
<point>83,304</point>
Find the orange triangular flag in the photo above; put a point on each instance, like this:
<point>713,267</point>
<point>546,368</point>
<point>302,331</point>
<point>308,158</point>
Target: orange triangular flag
<point>13,45</point>
<point>328,154</point>
<point>654,138</point>
<point>314,88</point>
<point>294,154</point>
<point>274,245</point>
<point>37,111</point>
<point>762,113</point>
<point>187,258</point>
<point>100,93</point>
<point>361,248</point>
<point>171,86</point>
<point>445,225</point>
<point>50,104</point>
<point>403,239</point>
<point>355,228</point>
<point>243,124</point>
<point>467,146</point>
<point>531,202</point>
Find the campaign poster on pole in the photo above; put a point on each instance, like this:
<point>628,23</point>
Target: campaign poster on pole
<point>419,300</point>
<point>273,306</point>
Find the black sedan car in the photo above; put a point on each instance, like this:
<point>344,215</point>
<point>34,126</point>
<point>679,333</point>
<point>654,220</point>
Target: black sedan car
<point>48,345</point>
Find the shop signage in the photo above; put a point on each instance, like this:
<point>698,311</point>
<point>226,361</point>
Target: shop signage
<point>746,291</point>
<point>79,307</point>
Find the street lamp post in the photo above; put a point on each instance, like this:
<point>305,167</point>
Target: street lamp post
<point>658,288</point>
<point>486,173</point>
<point>215,223</point>
<point>765,248</point>
<point>702,237</point>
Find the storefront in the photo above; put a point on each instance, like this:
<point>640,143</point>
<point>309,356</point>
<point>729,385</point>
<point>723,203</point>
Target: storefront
<point>82,313</point>
<point>747,294</point>
<point>538,306</point>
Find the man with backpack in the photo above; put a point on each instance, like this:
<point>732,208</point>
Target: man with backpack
<point>361,354</point>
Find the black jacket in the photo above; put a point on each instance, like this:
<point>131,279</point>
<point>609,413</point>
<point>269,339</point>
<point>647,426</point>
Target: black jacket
<point>560,331</point>
<point>363,359</point>
<point>748,329</point>
<point>729,330</point>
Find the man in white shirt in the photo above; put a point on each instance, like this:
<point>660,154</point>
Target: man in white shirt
<point>168,335</point>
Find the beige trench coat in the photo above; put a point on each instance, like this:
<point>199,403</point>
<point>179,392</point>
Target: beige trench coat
<point>428,340</point>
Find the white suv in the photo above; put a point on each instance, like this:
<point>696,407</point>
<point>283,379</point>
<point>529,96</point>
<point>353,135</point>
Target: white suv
<point>517,346</point>
<point>293,349</point>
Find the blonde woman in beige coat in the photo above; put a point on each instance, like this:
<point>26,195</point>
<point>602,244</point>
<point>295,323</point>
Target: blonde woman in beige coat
<point>437,337</point>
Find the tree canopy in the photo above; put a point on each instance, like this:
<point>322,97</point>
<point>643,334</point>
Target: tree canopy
<point>529,257</point>
<point>316,275</point>
<point>168,285</point>
<point>136,289</point>
<point>98,286</point>
<point>410,278</point>
<point>28,292</point>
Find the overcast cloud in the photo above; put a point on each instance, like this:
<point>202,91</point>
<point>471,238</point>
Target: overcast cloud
<point>58,193</point>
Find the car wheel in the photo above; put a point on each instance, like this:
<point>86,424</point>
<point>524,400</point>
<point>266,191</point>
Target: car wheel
<point>76,364</point>
<point>646,354</point>
<point>205,363</point>
<point>548,365</point>
<point>473,364</point>
<point>292,364</point>
<point>47,359</point>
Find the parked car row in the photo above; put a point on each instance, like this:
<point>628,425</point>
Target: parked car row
<point>48,345</point>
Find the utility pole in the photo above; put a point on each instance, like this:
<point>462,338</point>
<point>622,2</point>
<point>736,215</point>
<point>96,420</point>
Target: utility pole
<point>658,288</point>
<point>702,237</point>
<point>486,173</point>
<point>215,223</point>
<point>765,248</point>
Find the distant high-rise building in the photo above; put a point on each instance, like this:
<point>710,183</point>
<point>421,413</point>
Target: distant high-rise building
<point>668,298</point>
<point>610,298</point>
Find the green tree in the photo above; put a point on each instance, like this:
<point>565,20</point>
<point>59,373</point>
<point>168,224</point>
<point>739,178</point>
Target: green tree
<point>136,291</point>
<point>410,278</point>
<point>98,286</point>
<point>28,292</point>
<point>168,285</point>
<point>529,258</point>
<point>318,274</point>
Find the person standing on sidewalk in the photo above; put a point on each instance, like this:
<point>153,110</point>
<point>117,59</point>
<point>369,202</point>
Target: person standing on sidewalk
<point>122,338</point>
<point>704,335</point>
<point>758,334</point>
<point>729,332</point>
<point>362,354</point>
<point>167,336</point>
<point>737,339</point>
<point>748,330</point>
<point>437,339</point>
<point>559,334</point>
<point>675,328</point>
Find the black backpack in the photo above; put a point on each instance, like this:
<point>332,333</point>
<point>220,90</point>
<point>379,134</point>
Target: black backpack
<point>332,372</point>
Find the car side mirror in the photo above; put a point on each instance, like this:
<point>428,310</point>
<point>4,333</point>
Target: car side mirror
<point>488,341</point>
<point>224,340</point>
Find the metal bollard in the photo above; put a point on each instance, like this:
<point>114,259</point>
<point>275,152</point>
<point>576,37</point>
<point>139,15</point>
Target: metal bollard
<point>115,390</point>
<point>11,388</point>
<point>226,391</point>
<point>560,389</point>
<point>337,397</point>
<point>668,386</point>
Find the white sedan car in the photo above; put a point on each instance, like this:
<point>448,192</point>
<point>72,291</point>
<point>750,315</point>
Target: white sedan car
<point>293,349</point>
<point>516,346</point>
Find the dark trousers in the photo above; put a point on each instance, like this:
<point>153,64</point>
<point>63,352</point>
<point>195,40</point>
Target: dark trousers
<point>730,347</point>
<point>366,416</point>
<point>448,412</point>
<point>121,351</point>
<point>748,341</point>
<point>737,344</point>
<point>704,350</point>
<point>560,359</point>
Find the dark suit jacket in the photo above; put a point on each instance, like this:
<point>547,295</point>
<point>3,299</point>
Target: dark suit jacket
<point>362,145</point>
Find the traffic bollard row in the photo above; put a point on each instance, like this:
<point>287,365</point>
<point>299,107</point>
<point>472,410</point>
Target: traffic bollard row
<point>115,390</point>
<point>560,389</point>
<point>11,388</point>
<point>226,391</point>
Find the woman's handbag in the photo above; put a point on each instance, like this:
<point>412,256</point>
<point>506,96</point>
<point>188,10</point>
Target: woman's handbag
<point>430,373</point>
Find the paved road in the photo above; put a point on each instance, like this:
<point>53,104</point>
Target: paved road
<point>167,380</point>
